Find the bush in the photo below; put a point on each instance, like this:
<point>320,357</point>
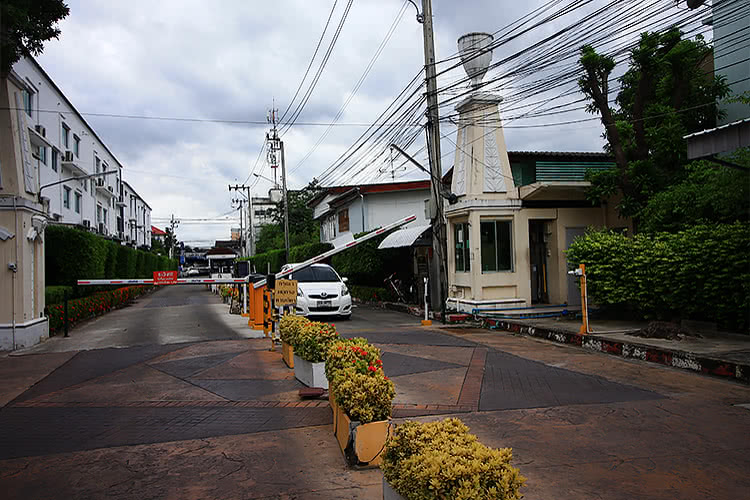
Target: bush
<point>364,264</point>
<point>347,352</point>
<point>301,253</point>
<point>440,460</point>
<point>290,326</point>
<point>372,293</point>
<point>261,261</point>
<point>314,340</point>
<point>365,394</point>
<point>56,294</point>
<point>93,305</point>
<point>701,272</point>
<point>73,254</point>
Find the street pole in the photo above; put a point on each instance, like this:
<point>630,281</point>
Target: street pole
<point>433,142</point>
<point>286,199</point>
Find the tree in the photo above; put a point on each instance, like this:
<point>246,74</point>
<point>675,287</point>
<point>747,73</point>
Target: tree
<point>694,200</point>
<point>24,27</point>
<point>270,237</point>
<point>667,93</point>
<point>302,227</point>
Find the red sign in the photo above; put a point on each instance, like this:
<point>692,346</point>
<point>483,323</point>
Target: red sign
<point>165,277</point>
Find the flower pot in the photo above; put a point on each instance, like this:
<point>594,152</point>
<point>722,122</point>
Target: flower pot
<point>362,444</point>
<point>389,493</point>
<point>310,374</point>
<point>287,354</point>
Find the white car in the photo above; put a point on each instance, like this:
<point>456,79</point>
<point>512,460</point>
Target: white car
<point>321,291</point>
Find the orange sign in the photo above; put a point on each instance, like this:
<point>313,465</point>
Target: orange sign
<point>165,277</point>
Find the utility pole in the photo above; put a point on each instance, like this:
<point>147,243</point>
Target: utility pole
<point>241,202</point>
<point>173,223</point>
<point>245,191</point>
<point>439,245</point>
<point>278,145</point>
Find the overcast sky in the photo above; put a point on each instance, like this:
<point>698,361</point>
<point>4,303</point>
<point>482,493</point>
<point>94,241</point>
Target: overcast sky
<point>230,60</point>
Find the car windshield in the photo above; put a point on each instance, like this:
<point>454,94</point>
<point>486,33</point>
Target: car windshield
<point>315,274</point>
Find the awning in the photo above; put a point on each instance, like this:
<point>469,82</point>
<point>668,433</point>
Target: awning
<point>403,237</point>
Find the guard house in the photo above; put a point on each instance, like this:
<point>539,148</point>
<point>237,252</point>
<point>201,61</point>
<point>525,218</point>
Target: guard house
<point>515,217</point>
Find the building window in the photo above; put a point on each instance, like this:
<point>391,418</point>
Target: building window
<point>28,99</point>
<point>66,136</point>
<point>78,202</point>
<point>40,154</point>
<point>463,252</point>
<point>98,164</point>
<point>66,197</point>
<point>85,185</point>
<point>55,157</point>
<point>76,145</point>
<point>98,213</point>
<point>344,221</point>
<point>104,215</point>
<point>497,246</point>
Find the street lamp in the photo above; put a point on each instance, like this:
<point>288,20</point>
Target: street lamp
<point>266,178</point>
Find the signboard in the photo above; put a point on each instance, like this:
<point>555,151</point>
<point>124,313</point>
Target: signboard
<point>165,277</point>
<point>285,293</point>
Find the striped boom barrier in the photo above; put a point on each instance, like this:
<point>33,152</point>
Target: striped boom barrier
<point>334,251</point>
<point>180,281</point>
<point>234,281</point>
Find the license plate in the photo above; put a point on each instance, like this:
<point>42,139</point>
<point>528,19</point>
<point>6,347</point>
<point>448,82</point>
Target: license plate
<point>324,303</point>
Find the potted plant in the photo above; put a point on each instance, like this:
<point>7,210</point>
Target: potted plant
<point>364,397</point>
<point>310,349</point>
<point>289,327</point>
<point>343,354</point>
<point>441,459</point>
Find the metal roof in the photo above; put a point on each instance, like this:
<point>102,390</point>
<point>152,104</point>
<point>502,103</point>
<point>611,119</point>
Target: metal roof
<point>403,237</point>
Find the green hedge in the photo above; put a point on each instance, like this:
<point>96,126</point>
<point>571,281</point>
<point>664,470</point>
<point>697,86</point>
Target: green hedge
<point>372,293</point>
<point>366,265</point>
<point>73,254</point>
<point>277,258</point>
<point>56,294</point>
<point>700,273</point>
<point>303,252</point>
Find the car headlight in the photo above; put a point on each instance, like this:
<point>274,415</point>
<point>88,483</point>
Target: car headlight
<point>299,292</point>
<point>344,291</point>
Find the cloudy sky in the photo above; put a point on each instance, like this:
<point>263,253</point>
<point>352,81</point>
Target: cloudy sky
<point>230,60</point>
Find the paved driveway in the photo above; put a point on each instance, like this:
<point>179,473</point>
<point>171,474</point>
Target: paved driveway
<point>219,416</point>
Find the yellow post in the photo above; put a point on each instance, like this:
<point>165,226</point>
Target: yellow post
<point>584,302</point>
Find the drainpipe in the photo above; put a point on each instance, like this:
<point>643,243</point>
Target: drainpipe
<point>362,200</point>
<point>15,278</point>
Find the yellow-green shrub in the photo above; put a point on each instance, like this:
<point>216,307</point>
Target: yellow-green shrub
<point>364,397</point>
<point>313,340</point>
<point>348,353</point>
<point>439,460</point>
<point>290,325</point>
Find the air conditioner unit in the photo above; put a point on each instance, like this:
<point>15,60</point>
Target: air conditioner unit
<point>40,130</point>
<point>68,156</point>
<point>100,182</point>
<point>87,223</point>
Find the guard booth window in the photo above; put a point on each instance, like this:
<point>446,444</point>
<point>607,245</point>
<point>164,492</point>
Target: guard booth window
<point>461,239</point>
<point>496,246</point>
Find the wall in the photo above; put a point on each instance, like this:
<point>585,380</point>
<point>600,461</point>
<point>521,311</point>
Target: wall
<point>731,22</point>
<point>51,110</point>
<point>21,292</point>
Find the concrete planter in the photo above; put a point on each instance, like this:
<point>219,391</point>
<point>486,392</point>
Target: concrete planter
<point>362,444</point>
<point>389,493</point>
<point>334,409</point>
<point>310,374</point>
<point>287,354</point>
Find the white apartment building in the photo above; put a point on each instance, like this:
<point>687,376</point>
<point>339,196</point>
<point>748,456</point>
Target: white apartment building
<point>65,146</point>
<point>136,215</point>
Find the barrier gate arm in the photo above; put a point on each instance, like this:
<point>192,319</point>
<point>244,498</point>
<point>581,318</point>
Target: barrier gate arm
<point>334,251</point>
<point>235,281</point>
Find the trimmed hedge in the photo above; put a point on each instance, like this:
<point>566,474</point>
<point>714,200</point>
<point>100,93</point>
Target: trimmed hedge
<point>91,306</point>
<point>371,293</point>
<point>56,294</point>
<point>366,265</point>
<point>277,258</point>
<point>303,252</point>
<point>73,254</point>
<point>700,273</point>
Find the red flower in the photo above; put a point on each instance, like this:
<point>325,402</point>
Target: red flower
<point>378,361</point>
<point>372,368</point>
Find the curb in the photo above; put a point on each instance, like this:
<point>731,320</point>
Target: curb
<point>630,350</point>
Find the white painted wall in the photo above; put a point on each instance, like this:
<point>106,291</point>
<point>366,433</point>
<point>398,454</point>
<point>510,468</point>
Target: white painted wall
<point>51,111</point>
